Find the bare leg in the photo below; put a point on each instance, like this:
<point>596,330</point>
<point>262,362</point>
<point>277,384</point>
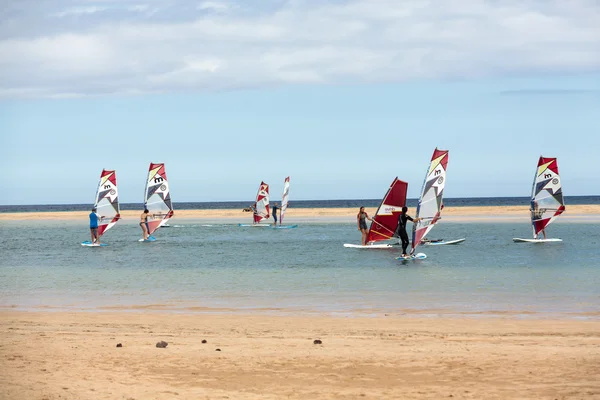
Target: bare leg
<point>544,232</point>
<point>92,234</point>
<point>145,231</point>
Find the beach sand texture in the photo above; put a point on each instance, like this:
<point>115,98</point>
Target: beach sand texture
<point>578,212</point>
<point>74,356</point>
<point>52,355</point>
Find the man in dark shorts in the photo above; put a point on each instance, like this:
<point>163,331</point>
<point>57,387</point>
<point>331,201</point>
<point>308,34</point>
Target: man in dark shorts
<point>274,210</point>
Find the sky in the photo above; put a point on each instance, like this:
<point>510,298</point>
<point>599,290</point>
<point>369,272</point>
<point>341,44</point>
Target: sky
<point>340,95</point>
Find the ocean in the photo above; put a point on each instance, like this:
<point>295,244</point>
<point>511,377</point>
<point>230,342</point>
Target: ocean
<point>197,267</point>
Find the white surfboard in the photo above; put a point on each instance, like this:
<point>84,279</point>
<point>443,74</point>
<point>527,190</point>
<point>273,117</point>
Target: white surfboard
<point>456,241</point>
<point>520,240</point>
<point>418,256</point>
<point>255,226</point>
<point>369,246</point>
<point>90,244</point>
<point>284,226</point>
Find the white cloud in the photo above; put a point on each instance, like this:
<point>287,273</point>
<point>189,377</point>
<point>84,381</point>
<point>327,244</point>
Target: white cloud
<point>296,42</point>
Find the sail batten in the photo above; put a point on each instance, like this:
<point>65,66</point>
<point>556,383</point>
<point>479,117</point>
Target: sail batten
<point>284,198</point>
<point>385,220</point>
<point>431,198</point>
<point>107,201</point>
<point>157,197</point>
<point>261,205</point>
<point>547,201</point>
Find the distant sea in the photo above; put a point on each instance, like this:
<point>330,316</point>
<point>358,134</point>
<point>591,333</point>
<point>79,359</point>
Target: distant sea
<point>351,203</point>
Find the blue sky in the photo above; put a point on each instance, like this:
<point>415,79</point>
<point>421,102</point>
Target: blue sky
<point>342,96</point>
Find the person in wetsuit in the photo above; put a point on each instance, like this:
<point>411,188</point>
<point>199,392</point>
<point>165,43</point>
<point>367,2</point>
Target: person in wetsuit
<point>274,210</point>
<point>361,220</point>
<point>403,218</point>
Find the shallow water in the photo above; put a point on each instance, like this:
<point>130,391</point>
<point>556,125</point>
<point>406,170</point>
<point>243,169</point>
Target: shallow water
<point>193,265</point>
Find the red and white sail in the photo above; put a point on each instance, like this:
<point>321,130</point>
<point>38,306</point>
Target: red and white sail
<point>284,198</point>
<point>107,201</point>
<point>157,197</point>
<point>385,220</point>
<point>261,206</point>
<point>431,199</point>
<point>547,200</point>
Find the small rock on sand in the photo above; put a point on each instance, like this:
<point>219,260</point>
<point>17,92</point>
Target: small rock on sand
<point>162,344</point>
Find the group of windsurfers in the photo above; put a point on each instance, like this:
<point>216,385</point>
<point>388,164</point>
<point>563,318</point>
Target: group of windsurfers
<point>95,219</point>
<point>274,209</point>
<point>403,218</point>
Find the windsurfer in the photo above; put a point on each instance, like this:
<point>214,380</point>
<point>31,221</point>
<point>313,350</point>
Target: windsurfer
<point>144,223</point>
<point>94,219</point>
<point>401,230</point>
<point>274,209</point>
<point>361,219</point>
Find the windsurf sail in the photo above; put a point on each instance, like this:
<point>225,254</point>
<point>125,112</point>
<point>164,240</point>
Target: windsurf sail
<point>547,200</point>
<point>385,220</point>
<point>261,206</point>
<point>157,197</point>
<point>284,198</point>
<point>107,201</point>
<point>430,201</point>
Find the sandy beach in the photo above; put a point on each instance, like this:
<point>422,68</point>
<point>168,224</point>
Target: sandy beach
<point>576,213</point>
<point>52,355</point>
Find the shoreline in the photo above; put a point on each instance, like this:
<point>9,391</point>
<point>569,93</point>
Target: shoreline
<point>487,213</point>
<point>48,355</point>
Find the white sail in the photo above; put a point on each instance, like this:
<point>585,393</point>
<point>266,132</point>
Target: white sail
<point>261,205</point>
<point>107,201</point>
<point>547,201</point>
<point>284,198</point>
<point>157,197</point>
<point>431,199</point>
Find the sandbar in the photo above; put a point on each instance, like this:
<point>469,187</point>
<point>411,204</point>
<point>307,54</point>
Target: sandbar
<point>574,213</point>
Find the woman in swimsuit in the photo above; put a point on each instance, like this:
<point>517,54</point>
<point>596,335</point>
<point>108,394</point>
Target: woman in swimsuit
<point>361,219</point>
<point>144,223</point>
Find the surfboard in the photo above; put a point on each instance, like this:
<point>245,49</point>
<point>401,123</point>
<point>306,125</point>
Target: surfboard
<point>254,225</point>
<point>441,243</point>
<point>284,226</point>
<point>369,246</point>
<point>150,239</point>
<point>520,240</point>
<point>418,256</point>
<point>87,243</point>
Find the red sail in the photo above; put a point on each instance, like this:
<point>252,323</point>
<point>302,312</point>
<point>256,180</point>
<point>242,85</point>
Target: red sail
<point>261,206</point>
<point>385,221</point>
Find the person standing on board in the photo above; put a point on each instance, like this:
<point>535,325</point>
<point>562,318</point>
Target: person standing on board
<point>361,220</point>
<point>144,223</point>
<point>401,229</point>
<point>94,219</point>
<point>274,209</point>
<point>537,213</point>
